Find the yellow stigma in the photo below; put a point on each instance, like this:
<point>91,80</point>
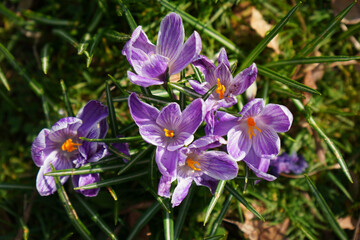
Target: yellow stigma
<point>169,133</point>
<point>191,163</point>
<point>220,89</point>
<point>69,146</point>
<point>251,123</point>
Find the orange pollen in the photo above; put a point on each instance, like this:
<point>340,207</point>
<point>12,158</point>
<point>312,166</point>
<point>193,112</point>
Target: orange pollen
<point>251,123</point>
<point>220,89</point>
<point>169,133</point>
<point>69,146</point>
<point>191,163</point>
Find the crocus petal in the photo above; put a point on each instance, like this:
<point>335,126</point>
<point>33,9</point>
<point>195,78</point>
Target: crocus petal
<point>207,142</point>
<point>171,36</point>
<point>64,128</point>
<point>104,127</point>
<point>170,116</point>
<point>207,67</point>
<point>139,40</point>
<point>223,59</point>
<point>277,116</point>
<point>143,81</point>
<point>38,147</point>
<point>180,139</point>
<point>207,181</point>
<point>267,142</point>
<point>259,165</point>
<point>142,113</point>
<point>192,116</point>
<point>181,191</point>
<point>223,123</point>
<point>86,179</point>
<point>153,134</point>
<point>91,114</point>
<point>188,53</point>
<point>155,67</point>
<point>243,80</point>
<point>239,143</point>
<point>227,102</point>
<point>164,186</point>
<point>200,88</point>
<point>253,108</point>
<point>137,58</point>
<point>46,184</point>
<point>218,165</point>
<point>122,147</point>
<point>166,161</point>
<point>101,152</point>
<point>223,73</point>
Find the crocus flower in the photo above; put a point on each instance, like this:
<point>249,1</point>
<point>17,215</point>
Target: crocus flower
<point>168,129</point>
<point>203,167</point>
<point>227,86</point>
<point>286,163</point>
<point>253,137</point>
<point>153,63</point>
<point>61,147</point>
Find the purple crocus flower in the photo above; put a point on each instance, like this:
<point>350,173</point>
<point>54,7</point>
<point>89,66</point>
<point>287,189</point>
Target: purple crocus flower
<point>170,55</point>
<point>203,167</point>
<point>286,163</point>
<point>168,129</point>
<point>253,137</point>
<point>227,86</point>
<point>61,147</point>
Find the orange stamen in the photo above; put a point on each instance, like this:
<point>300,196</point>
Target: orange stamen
<point>169,133</point>
<point>220,89</point>
<point>251,124</point>
<point>191,163</point>
<point>69,146</point>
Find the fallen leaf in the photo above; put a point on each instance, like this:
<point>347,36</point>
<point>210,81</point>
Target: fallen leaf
<point>346,223</point>
<point>258,23</point>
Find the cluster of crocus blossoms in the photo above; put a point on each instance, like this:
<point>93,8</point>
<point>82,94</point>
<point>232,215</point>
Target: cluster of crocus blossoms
<point>180,157</point>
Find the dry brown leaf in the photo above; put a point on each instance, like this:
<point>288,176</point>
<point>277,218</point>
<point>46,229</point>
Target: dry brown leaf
<point>258,23</point>
<point>346,223</point>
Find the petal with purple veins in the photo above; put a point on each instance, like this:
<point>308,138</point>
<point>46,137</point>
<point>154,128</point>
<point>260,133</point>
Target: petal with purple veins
<point>267,142</point>
<point>166,161</point>
<point>243,80</point>
<point>181,191</point>
<point>223,73</point>
<point>164,186</point>
<point>200,88</point>
<point>142,113</point>
<point>207,181</point>
<point>218,165</point>
<point>143,81</point>
<point>38,148</point>
<point>171,36</point>
<point>223,59</point>
<point>153,134</point>
<point>277,116</point>
<point>91,114</point>
<point>239,143</point>
<point>86,179</point>
<point>192,116</point>
<point>155,67</point>
<point>253,108</point>
<point>64,128</point>
<point>259,165</point>
<point>223,123</point>
<point>207,142</point>
<point>139,40</point>
<point>188,53</point>
<point>169,117</point>
<point>179,140</point>
<point>207,67</point>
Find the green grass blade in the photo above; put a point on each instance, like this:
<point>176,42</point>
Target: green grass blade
<point>114,140</point>
<point>75,220</point>
<point>198,75</point>
<point>215,198</point>
<point>163,201</point>
<point>45,107</point>
<point>185,90</point>
<point>93,45</point>
<point>64,35</point>
<point>16,186</point>
<point>285,80</point>
<point>113,181</point>
<point>262,45</point>
<point>68,106</point>
<point>327,140</point>
<point>329,28</point>
<point>241,199</point>
<point>183,211</point>
<point>4,80</point>
<point>6,98</point>
<point>208,93</point>
<point>83,170</point>
<point>168,225</point>
<point>329,216</point>
<point>287,92</point>
<point>96,218</point>
<point>217,237</point>
<point>45,59</point>
<point>339,185</point>
<point>145,218</point>
<point>40,18</point>
<point>128,15</point>
<point>11,15</point>
<point>311,60</point>
<point>351,31</point>
<point>117,153</point>
<point>219,219</point>
<point>34,85</point>
<point>135,159</point>
<point>202,28</point>
<point>112,115</point>
<point>116,36</point>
